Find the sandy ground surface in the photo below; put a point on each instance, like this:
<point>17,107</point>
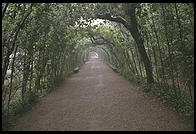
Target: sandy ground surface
<point>96,98</point>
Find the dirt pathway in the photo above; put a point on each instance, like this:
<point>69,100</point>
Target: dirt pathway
<point>96,98</point>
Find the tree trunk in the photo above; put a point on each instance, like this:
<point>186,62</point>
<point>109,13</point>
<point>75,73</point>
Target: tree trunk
<point>137,37</point>
<point>139,62</point>
<point>4,10</point>
<point>160,55</point>
<point>10,90</point>
<point>24,76</point>
<point>130,65</point>
<point>6,61</point>
<point>132,55</point>
<point>148,45</point>
<point>132,27</point>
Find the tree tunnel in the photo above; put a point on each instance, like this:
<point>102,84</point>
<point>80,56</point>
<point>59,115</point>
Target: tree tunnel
<point>43,42</point>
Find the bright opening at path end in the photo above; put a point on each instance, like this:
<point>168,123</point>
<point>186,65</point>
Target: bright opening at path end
<point>93,55</point>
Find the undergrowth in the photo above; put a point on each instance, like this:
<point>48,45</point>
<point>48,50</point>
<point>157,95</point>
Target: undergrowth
<point>16,108</point>
<point>176,98</point>
<point>21,106</point>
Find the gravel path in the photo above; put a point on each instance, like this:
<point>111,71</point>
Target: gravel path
<point>96,98</point>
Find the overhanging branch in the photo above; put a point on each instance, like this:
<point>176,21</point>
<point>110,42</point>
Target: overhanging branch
<point>117,19</point>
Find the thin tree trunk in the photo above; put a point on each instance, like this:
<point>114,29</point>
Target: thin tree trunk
<point>169,52</point>
<point>138,59</point>
<point>158,42</point>
<point>174,69</point>
<point>24,77</point>
<point>10,91</point>
<point>129,61</point>
<point>148,45</point>
<point>189,87</point>
<point>4,10</point>
<point>31,77</point>
<point>134,62</point>
<point>6,61</point>
<point>179,24</point>
<point>155,62</point>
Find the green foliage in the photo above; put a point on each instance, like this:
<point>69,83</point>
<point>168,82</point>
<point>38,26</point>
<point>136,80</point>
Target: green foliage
<point>53,38</point>
<point>17,107</point>
<point>175,97</point>
<point>146,87</point>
